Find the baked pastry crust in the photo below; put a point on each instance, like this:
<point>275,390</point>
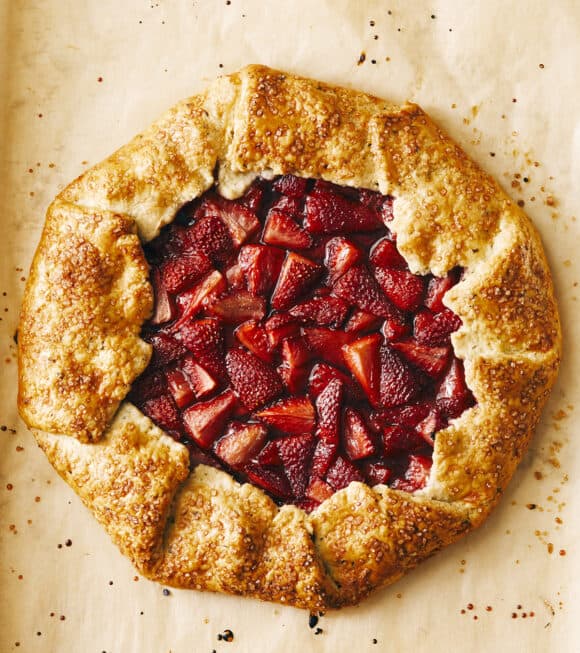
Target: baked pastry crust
<point>88,295</point>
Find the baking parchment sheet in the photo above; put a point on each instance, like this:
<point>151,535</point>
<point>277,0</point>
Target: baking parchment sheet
<point>77,80</point>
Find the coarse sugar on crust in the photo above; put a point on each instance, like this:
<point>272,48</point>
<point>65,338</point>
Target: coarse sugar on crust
<point>88,296</point>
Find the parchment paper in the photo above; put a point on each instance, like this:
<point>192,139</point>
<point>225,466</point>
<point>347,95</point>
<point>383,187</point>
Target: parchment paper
<point>77,80</point>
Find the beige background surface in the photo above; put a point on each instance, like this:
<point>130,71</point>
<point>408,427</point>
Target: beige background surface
<point>77,80</point>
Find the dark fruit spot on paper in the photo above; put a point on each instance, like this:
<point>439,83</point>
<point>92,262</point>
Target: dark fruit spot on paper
<point>312,621</point>
<point>361,59</point>
<point>318,631</point>
<point>166,592</point>
<point>226,636</point>
<point>68,543</point>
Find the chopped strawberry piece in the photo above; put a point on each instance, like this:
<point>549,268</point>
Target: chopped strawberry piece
<point>280,327</point>
<point>179,387</point>
<point>163,412</point>
<point>269,454</point>
<point>386,211</point>
<point>292,415</point>
<point>328,409</point>
<point>253,197</point>
<point>240,443</point>
<point>362,358</point>
<point>295,452</point>
<point>318,490</point>
<point>341,255</point>
<point>254,381</point>
<point>402,287</point>
<point>416,475</point>
<point>239,219</point>
<point>376,473</point>
<point>322,374</point>
<point>408,415</point>
<point>371,198</point>
<point>239,306</point>
<point>323,311</point>
<point>253,336</point>
<point>201,382</point>
<point>291,185</point>
<point>342,473</point>
<point>324,455</point>
<point>297,276</point>
<point>432,360</point>
<point>398,439</point>
<point>323,187</point>
<point>235,276</point>
<point>437,288</point>
<point>333,213</point>
<point>296,352</point>
<point>385,255</point>
<point>434,329</point>
<point>198,456</point>
<point>165,309</point>
<point>205,420</point>
<point>358,442</point>
<point>399,384</point>
<point>360,322</point>
<point>327,344</point>
<point>166,348</point>
<point>211,236</point>
<point>291,206</point>
<point>205,340</point>
<point>272,480</point>
<point>359,287</point>
<point>282,230</point>
<point>193,300</point>
<point>395,328</point>
<point>261,265</point>
<point>430,425</point>
<point>177,274</point>
<point>453,396</point>
<point>148,385</point>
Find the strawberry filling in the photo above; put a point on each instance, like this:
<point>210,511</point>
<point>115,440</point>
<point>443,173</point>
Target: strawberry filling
<point>292,346</point>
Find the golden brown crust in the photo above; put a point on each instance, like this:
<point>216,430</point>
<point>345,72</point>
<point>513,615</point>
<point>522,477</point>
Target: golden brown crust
<point>87,297</point>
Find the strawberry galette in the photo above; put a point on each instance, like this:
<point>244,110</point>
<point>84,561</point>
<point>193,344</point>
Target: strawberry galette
<point>288,342</point>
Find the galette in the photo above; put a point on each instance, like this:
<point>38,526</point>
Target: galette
<point>288,342</point>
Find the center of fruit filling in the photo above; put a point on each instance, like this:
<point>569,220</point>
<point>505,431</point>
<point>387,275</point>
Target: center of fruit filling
<point>292,346</point>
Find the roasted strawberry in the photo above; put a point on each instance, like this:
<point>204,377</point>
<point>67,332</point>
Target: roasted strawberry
<point>437,288</point>
<point>274,481</point>
<point>291,206</point>
<point>408,415</point>
<point>434,329</point>
<point>430,425</point>
<point>324,456</point>
<point>360,322</point>
<point>253,197</point>
<point>163,412</point>
<point>205,340</point>
<point>342,473</point>
<point>360,288</point>
<point>193,300</point>
<point>453,396</point>
<point>198,456</point>
<point>398,439</point>
<point>376,473</point>
<point>341,255</point>
<point>282,230</point>
<point>318,490</point>
<point>177,274</point>
<point>295,352</point>
<point>179,387</point>
<point>416,475</point>
<point>292,415</point>
<point>165,309</point>
<point>294,378</point>
<point>235,276</point>
<point>261,265</point>
<point>362,358</point>
<point>205,420</point>
<point>211,236</point>
<point>432,360</point>
<point>290,185</point>
<point>238,306</point>
<point>253,336</point>
<point>240,443</point>
<point>403,288</point>
<point>269,454</point>
<point>322,374</point>
<point>328,409</point>
<point>254,381</point>
<point>280,327</point>
<point>150,384</point>
<point>333,213</point>
<point>398,384</point>
<point>323,311</point>
<point>385,255</point>
<point>297,276</point>
<point>327,344</point>
<point>200,380</point>
<point>239,219</point>
<point>166,348</point>
<point>358,441</point>
<point>295,452</point>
